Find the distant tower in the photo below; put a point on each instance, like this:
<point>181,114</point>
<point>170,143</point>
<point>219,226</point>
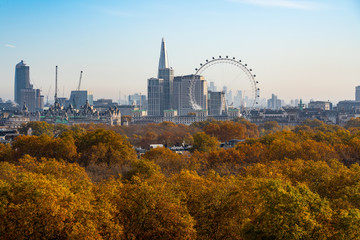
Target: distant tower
<point>25,94</point>
<point>216,103</point>
<point>167,74</point>
<point>163,61</point>
<point>155,95</point>
<point>357,93</point>
<point>181,93</point>
<point>22,80</point>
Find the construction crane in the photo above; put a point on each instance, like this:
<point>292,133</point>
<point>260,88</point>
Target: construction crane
<point>76,98</point>
<point>56,80</point>
<point>47,96</point>
<point>78,88</point>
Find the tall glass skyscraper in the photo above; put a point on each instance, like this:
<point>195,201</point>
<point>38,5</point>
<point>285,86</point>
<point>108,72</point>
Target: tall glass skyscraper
<point>22,80</point>
<point>24,92</point>
<point>160,89</point>
<point>167,74</point>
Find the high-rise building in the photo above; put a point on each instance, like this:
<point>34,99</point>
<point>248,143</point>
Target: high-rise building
<point>167,74</point>
<point>274,103</point>
<point>212,87</point>
<point>238,99</point>
<point>138,99</point>
<point>160,89</point>
<point>22,80</point>
<point>24,92</point>
<point>181,93</point>
<point>79,98</point>
<point>217,103</point>
<point>155,96</point>
<point>357,93</point>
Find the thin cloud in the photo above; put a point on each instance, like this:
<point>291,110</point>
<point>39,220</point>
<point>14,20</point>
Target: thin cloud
<point>297,4</point>
<point>112,11</point>
<point>10,46</point>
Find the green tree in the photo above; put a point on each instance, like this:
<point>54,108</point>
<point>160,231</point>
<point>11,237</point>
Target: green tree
<point>204,142</point>
<point>38,128</point>
<point>289,212</point>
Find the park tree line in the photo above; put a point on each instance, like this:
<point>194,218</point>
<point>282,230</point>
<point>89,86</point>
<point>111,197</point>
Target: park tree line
<point>86,182</point>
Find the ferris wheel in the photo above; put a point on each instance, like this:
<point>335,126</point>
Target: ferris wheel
<point>248,76</point>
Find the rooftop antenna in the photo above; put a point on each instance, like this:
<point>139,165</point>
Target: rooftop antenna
<point>56,76</point>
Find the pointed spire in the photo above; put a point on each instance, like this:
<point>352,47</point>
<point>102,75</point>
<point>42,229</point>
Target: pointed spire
<point>163,61</point>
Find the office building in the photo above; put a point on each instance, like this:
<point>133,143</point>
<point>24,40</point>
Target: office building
<point>212,87</point>
<point>238,101</point>
<point>322,105</point>
<point>138,100</point>
<point>217,103</point>
<point>181,93</point>
<point>24,92</point>
<point>155,96</point>
<point>274,103</point>
<point>22,80</point>
<point>79,98</point>
<point>357,93</point>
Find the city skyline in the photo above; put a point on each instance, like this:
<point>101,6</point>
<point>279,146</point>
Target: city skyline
<point>298,49</point>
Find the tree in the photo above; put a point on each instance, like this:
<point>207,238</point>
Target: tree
<point>169,161</point>
<point>353,123</point>
<point>38,128</point>
<point>45,146</point>
<point>225,130</point>
<point>6,153</point>
<point>289,213</point>
<point>46,200</point>
<point>149,209</point>
<point>104,146</point>
<point>204,142</point>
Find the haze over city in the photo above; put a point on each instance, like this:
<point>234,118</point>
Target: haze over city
<point>297,49</point>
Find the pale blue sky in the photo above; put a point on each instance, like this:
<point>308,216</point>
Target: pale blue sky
<point>297,48</point>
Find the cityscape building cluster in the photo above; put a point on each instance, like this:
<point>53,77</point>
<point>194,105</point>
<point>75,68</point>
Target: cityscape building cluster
<point>169,98</point>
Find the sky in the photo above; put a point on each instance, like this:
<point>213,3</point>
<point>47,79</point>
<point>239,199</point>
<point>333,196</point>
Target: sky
<point>308,49</point>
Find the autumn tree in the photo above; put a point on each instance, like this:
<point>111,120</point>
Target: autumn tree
<point>169,161</point>
<point>47,200</point>
<point>204,142</point>
<point>289,212</point>
<point>38,128</point>
<point>104,146</point>
<point>353,123</point>
<point>226,130</point>
<point>149,209</point>
<point>45,146</point>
